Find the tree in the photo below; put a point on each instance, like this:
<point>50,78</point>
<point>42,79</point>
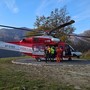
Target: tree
<point>55,19</point>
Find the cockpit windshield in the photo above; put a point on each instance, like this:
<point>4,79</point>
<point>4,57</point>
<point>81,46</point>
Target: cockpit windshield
<point>71,48</point>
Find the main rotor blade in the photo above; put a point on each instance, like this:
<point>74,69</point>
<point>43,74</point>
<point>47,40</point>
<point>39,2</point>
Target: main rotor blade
<point>26,29</point>
<point>79,36</point>
<point>63,25</point>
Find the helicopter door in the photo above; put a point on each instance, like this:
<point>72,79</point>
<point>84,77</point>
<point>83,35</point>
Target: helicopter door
<point>68,50</point>
<point>75,53</point>
<point>38,50</point>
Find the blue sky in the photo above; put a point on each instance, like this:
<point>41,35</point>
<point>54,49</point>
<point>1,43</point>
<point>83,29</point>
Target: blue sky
<point>22,13</point>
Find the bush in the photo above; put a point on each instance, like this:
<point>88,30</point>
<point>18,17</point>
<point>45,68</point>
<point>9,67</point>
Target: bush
<point>86,55</point>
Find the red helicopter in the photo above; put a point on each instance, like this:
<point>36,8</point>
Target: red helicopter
<point>34,46</point>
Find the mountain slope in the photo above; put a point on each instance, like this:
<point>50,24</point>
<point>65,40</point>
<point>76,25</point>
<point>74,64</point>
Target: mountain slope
<point>8,35</point>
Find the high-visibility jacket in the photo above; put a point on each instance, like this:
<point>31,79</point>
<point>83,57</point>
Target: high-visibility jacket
<point>49,49</point>
<point>59,52</point>
<point>52,50</point>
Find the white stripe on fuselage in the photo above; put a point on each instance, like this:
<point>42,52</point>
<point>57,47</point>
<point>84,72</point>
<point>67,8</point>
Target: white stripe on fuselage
<point>13,47</point>
<point>19,48</point>
<point>49,37</point>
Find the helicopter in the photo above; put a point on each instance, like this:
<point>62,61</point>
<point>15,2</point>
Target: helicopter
<point>34,46</point>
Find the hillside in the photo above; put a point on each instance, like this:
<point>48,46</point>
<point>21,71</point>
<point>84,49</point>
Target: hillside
<point>81,43</point>
<point>76,39</point>
<point>8,35</point>
<point>11,34</point>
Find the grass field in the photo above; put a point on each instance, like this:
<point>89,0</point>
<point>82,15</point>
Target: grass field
<point>86,55</point>
<point>27,77</point>
<point>22,77</point>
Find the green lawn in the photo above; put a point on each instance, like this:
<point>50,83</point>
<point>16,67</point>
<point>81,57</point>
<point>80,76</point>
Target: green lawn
<point>22,77</point>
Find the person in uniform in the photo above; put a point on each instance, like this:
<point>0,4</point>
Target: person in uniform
<point>52,53</point>
<point>58,55</point>
<point>68,52</point>
<point>49,52</point>
<point>46,54</point>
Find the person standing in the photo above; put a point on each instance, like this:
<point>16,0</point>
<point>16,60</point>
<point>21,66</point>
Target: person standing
<point>61,55</point>
<point>69,53</point>
<point>58,55</point>
<point>49,52</point>
<point>52,53</point>
<point>46,54</point>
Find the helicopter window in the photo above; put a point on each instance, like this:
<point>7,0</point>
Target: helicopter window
<point>69,47</point>
<point>35,48</point>
<point>35,39</point>
<point>41,48</point>
<point>24,40</point>
<point>38,48</point>
<point>61,47</point>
